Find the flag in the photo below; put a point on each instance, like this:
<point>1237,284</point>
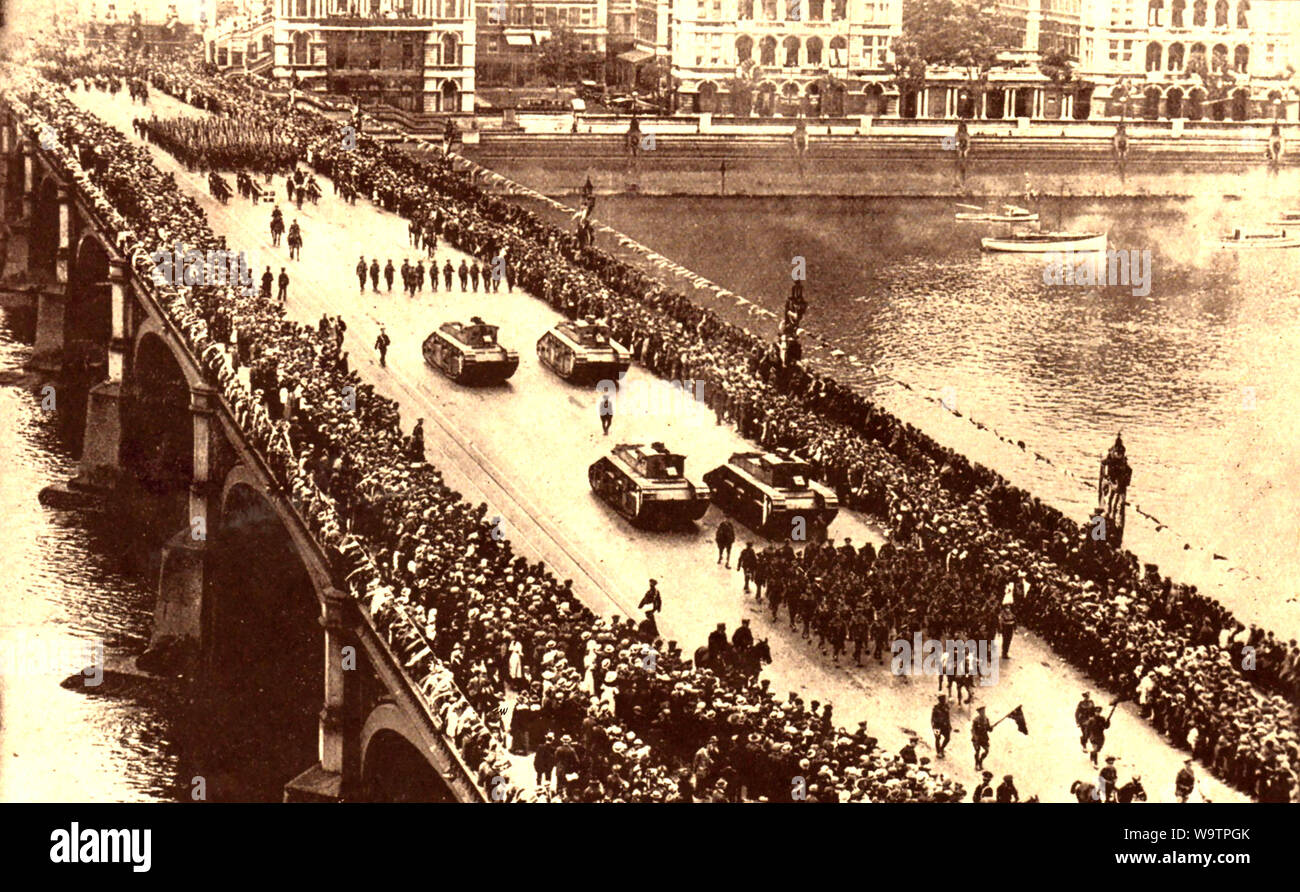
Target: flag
<point>1017,715</point>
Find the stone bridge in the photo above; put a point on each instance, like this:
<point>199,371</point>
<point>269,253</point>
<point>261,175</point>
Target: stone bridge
<point>246,595</point>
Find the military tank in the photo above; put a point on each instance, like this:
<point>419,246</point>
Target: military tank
<point>648,485</point>
<point>768,491</point>
<point>469,353</point>
<point>582,351</point>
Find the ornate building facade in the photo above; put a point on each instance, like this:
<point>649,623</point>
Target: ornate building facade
<point>415,55</point>
<point>790,57</point>
<point>1195,59</point>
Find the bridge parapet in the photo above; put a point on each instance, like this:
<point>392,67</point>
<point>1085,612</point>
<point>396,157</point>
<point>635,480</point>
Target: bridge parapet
<point>224,416</point>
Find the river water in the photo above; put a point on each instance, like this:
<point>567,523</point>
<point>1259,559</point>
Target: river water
<point>72,589</point>
<point>1198,372</point>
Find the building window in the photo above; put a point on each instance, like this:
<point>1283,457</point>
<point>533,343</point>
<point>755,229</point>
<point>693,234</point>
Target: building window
<point>1221,14</point>
<point>744,48</point>
<point>1242,8</point>
<point>746,10</point>
<point>1175,62</point>
<point>1176,13</point>
<point>814,52</point>
<point>1153,13</point>
<point>816,10</point>
<point>838,10</point>
<point>769,10</point>
<point>791,46</point>
<point>767,51</point>
<point>1198,14</point>
<point>839,52</point>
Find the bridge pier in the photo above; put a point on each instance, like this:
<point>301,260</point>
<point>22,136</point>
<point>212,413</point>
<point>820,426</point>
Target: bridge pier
<point>335,777</point>
<point>101,454</point>
<point>178,622</point>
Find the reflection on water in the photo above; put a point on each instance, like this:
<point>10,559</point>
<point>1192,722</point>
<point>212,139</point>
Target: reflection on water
<point>1198,374</point>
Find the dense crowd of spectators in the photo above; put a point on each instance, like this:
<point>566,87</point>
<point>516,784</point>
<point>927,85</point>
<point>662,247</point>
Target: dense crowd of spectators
<point>605,717</point>
<point>963,538</point>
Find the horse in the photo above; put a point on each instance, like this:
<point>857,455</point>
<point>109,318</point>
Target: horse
<point>747,663</point>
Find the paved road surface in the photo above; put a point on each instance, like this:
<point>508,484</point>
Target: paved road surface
<point>524,449</point>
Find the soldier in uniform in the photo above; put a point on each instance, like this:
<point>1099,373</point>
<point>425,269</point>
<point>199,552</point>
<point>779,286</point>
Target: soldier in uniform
<point>652,599</point>
<point>388,274</point>
<point>1082,713</point>
<point>725,538</point>
<point>473,276</point>
<point>606,411</point>
<point>747,564</point>
<point>1007,791</point>
<point>374,274</point>
<point>1096,733</point>
<point>462,273</point>
<point>268,279</point>
<point>1110,780</point>
<point>381,344</point>
<point>1185,782</point>
<point>283,282</point>
<point>447,272</point>
<point>419,275</point>
<point>361,273</point>
<point>979,736</point>
<point>1007,626</point>
<point>941,724</point>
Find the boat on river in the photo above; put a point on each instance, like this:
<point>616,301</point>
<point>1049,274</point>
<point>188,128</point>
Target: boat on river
<point>1240,238</point>
<point>1046,242</point>
<point>1287,218</point>
<point>1009,214</point>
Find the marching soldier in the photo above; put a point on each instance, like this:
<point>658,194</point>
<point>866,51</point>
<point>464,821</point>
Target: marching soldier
<point>447,272</point>
<point>473,276</point>
<point>1096,733</point>
<point>268,279</point>
<point>941,724</point>
<point>462,273</point>
<point>979,736</point>
<point>283,282</point>
<point>606,411</point>
<point>361,274</point>
<point>725,538</point>
<point>388,274</point>
<point>381,344</point>
<point>1109,777</point>
<point>652,599</point>
<point>419,275</point>
<point>748,564</point>
<point>374,274</point>
<point>1185,782</point>
<point>1082,713</point>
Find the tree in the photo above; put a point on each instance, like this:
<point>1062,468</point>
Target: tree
<point>561,55</point>
<point>951,33</point>
<point>1055,66</point>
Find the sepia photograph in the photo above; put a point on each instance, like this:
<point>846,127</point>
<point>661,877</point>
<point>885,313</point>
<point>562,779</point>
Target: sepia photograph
<point>743,402</point>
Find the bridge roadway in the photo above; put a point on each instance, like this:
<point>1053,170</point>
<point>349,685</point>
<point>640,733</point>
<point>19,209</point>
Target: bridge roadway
<point>524,450</point>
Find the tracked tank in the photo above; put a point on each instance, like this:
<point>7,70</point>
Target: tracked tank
<point>583,351</point>
<point>468,353</point>
<point>648,485</point>
<point>768,492</point>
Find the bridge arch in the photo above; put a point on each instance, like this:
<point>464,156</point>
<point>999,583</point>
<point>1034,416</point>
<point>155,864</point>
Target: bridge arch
<point>88,322</point>
<point>262,642</point>
<point>395,767</point>
<point>43,252</point>
<point>158,441</point>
